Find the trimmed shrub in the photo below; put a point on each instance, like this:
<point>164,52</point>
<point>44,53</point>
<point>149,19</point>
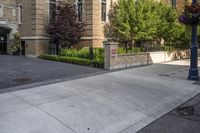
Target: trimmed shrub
<point>74,60</point>
<point>122,50</point>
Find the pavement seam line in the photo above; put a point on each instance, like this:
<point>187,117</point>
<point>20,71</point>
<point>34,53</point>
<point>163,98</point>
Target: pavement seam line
<point>51,101</point>
<point>51,81</point>
<point>135,124</point>
<point>124,105</point>
<point>57,119</point>
<point>16,110</point>
<point>46,113</point>
<point>158,117</point>
<point>84,93</point>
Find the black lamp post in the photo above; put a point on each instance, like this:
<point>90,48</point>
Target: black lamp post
<point>194,72</point>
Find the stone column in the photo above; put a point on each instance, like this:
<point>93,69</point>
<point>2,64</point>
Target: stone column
<point>110,53</point>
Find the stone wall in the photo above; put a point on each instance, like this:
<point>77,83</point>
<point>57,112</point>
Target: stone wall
<point>9,10</point>
<point>8,19</point>
<point>114,60</point>
<point>33,27</point>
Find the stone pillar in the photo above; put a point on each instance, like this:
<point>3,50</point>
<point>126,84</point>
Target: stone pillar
<point>110,53</point>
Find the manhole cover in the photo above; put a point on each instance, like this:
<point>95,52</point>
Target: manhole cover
<point>186,111</point>
<point>21,80</point>
<point>164,75</point>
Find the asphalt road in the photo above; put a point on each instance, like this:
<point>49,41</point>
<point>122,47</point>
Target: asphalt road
<point>184,119</point>
<point>18,71</point>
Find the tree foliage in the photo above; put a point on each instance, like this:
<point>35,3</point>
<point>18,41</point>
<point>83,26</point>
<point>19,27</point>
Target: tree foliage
<point>65,29</point>
<point>144,20</point>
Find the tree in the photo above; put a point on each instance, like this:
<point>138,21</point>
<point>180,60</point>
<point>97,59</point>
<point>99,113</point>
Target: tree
<point>170,29</point>
<point>65,29</point>
<point>145,20</point>
<point>121,26</point>
<point>132,20</point>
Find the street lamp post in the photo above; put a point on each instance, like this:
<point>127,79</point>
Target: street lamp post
<point>193,71</point>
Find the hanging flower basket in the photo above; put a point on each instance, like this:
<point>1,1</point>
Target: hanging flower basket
<point>191,15</point>
<point>194,8</point>
<point>189,18</point>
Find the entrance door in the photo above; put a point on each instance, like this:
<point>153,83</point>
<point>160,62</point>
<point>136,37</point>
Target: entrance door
<point>3,43</point>
<point>23,46</point>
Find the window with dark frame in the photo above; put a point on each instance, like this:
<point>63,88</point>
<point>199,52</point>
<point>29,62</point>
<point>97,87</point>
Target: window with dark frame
<point>52,10</point>
<point>20,14</point>
<point>52,16</point>
<point>1,10</point>
<point>80,10</point>
<point>103,10</point>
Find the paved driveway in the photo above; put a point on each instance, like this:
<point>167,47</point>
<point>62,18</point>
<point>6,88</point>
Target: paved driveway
<point>117,102</point>
<point>17,71</point>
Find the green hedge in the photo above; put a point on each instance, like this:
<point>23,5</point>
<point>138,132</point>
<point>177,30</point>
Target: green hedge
<point>121,50</point>
<point>74,60</point>
<point>83,53</point>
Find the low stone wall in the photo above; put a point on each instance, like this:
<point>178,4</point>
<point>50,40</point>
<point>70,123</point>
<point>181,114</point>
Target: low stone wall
<point>114,61</point>
<point>163,56</point>
<point>123,61</point>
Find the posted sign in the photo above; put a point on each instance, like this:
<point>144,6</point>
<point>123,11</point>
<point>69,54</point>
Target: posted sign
<point>114,52</point>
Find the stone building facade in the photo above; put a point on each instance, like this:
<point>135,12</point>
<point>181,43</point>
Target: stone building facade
<point>30,17</point>
<point>8,23</point>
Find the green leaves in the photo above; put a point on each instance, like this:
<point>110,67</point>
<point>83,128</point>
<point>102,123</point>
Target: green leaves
<point>144,20</point>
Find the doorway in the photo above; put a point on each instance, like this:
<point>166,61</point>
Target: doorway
<point>23,48</point>
<point>3,43</point>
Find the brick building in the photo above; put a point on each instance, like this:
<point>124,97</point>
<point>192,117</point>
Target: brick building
<point>30,17</point>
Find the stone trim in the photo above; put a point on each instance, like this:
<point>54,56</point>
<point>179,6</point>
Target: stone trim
<point>35,38</point>
<point>92,38</point>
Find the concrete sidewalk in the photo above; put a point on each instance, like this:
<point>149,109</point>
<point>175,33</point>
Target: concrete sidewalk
<point>118,102</point>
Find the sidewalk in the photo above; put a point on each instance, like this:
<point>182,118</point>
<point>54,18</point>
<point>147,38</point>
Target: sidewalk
<point>118,102</point>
